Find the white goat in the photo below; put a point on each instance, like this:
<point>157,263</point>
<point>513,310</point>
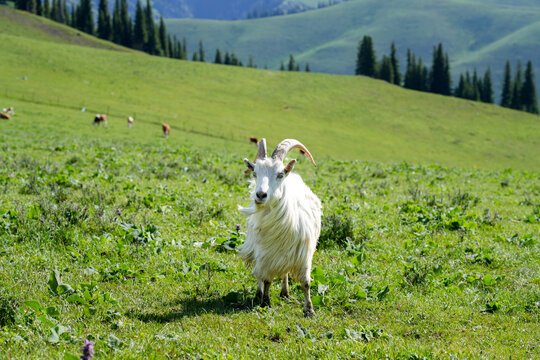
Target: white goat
<point>283,225</point>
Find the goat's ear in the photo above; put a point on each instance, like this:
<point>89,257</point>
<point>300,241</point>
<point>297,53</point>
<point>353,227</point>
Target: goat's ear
<point>289,166</point>
<point>249,164</point>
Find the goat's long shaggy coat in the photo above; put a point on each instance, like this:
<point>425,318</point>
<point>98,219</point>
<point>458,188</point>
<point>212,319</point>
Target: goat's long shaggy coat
<point>282,236</point>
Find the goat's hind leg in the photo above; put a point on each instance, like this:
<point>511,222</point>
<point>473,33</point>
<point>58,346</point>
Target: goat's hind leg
<point>259,293</point>
<point>285,287</point>
<point>305,281</point>
<point>266,294</point>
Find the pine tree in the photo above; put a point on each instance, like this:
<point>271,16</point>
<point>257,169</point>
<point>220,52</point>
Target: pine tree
<point>408,80</point>
<point>26,5</point>
<point>195,56</point>
<point>184,48</point>
<point>67,20</point>
<point>251,62</point>
<point>140,35</point>
<point>282,67</point>
<point>201,51</point>
<point>227,60</point>
<point>163,37</point>
<point>291,64</point>
<point>55,11</point>
<point>104,30</point>
<point>46,9</point>
<point>151,45</point>
<point>85,17</point>
<point>307,69</point>
<point>73,17</point>
<point>475,86</point>
<point>170,46</point>
<point>506,95</point>
<point>459,90</point>
<point>423,76</point>
<point>217,58</point>
<point>487,88</point>
<point>440,72</point>
<point>122,28</point>
<point>529,100</point>
<point>386,71</point>
<point>516,89</point>
<point>366,59</point>
<point>395,64</point>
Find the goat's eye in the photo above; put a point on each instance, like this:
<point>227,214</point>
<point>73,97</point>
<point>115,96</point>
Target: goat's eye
<point>280,175</point>
<point>254,174</point>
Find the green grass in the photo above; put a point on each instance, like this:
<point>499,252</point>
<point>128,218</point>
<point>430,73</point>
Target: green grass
<point>456,248</point>
<point>477,34</point>
<point>342,117</point>
<point>443,259</point>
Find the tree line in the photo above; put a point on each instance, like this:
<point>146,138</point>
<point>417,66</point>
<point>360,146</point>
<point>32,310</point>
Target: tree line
<point>518,92</point>
<point>140,32</point>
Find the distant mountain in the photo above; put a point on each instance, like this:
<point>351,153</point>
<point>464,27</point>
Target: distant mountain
<point>479,33</point>
<point>228,9</point>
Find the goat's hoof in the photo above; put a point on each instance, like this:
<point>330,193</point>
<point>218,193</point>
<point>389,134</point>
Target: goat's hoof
<point>266,303</point>
<point>285,296</point>
<point>309,312</point>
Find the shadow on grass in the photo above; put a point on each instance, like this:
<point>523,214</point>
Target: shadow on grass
<point>194,307</point>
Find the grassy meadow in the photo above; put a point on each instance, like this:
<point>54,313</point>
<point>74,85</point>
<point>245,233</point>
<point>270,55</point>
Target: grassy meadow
<point>430,241</point>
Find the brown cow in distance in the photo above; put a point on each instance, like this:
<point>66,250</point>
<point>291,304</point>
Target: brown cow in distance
<point>254,140</point>
<point>166,129</point>
<point>4,116</point>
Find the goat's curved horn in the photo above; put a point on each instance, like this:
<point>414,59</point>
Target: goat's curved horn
<point>262,149</point>
<point>287,145</point>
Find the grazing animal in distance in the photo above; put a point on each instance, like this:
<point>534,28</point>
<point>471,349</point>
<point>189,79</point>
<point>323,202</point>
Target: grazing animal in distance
<point>10,111</point>
<point>130,121</point>
<point>4,115</point>
<point>283,223</point>
<point>166,129</point>
<point>100,119</point>
<point>254,140</point>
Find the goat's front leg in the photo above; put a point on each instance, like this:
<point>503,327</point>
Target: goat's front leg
<point>259,293</point>
<point>266,294</point>
<point>305,281</point>
<point>285,287</point>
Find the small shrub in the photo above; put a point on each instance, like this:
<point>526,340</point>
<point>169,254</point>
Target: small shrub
<point>336,230</point>
<point>463,200</point>
<point>8,309</point>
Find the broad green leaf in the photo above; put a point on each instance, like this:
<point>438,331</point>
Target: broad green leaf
<point>56,333</point>
<point>32,304</point>
<point>53,312</point>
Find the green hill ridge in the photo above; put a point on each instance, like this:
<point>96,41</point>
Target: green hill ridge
<point>481,34</point>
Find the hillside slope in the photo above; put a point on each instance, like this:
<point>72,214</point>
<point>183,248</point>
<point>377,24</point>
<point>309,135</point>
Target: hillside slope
<point>481,34</point>
<point>24,24</point>
<point>340,117</point>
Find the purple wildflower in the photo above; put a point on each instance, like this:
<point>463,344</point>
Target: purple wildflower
<point>237,227</point>
<point>87,350</point>
<point>119,212</point>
